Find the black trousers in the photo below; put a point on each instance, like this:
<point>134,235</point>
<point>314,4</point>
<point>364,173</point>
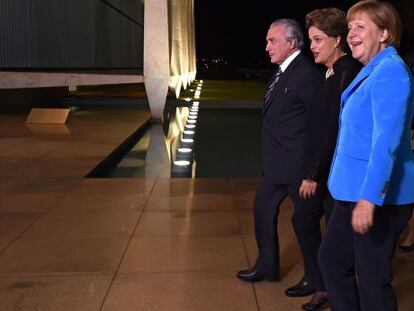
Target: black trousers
<point>306,223</point>
<point>357,267</point>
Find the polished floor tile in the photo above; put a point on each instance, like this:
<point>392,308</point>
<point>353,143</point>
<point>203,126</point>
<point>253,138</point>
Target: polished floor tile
<point>55,168</point>
<point>246,219</point>
<point>244,200</point>
<point>13,225</point>
<point>72,148</point>
<point>5,186</point>
<point>9,167</point>
<point>28,202</point>
<point>19,147</point>
<point>246,222</point>
<point>4,243</point>
<point>203,201</point>
<point>188,223</point>
<point>184,254</point>
<point>63,225</point>
<point>238,185</point>
<point>167,244</point>
<point>117,186</point>
<point>100,202</point>
<point>44,184</point>
<point>404,280</point>
<point>72,293</point>
<point>180,291</point>
<point>50,256</point>
<point>271,296</point>
<point>188,186</point>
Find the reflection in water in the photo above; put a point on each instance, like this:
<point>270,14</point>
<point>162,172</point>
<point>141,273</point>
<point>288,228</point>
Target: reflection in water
<point>157,159</point>
<point>154,152</point>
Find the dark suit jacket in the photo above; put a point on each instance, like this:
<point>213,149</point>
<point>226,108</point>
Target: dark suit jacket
<point>324,115</point>
<point>285,122</point>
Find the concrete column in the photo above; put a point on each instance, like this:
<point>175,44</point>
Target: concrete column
<point>182,62</point>
<point>156,55</point>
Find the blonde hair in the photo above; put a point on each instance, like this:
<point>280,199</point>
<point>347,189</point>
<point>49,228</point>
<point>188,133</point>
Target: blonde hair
<point>383,14</point>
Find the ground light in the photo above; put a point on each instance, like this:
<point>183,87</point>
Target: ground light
<point>184,154</point>
<point>186,142</point>
<point>181,168</point>
<point>188,134</point>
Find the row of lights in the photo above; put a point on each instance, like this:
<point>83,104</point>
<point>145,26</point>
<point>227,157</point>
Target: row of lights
<point>182,166</point>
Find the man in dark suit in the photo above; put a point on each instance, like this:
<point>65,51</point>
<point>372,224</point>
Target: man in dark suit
<point>285,126</point>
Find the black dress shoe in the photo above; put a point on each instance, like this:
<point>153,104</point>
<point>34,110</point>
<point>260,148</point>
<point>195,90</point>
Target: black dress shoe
<point>316,304</point>
<point>406,248</point>
<point>302,289</point>
<point>254,275</point>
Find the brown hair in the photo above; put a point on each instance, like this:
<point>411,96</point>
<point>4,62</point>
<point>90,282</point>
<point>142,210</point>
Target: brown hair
<point>382,14</point>
<point>331,21</point>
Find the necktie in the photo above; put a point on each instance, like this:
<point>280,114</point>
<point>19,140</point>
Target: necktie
<point>272,84</point>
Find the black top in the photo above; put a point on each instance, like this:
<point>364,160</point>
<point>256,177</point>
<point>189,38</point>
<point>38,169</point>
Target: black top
<point>324,115</point>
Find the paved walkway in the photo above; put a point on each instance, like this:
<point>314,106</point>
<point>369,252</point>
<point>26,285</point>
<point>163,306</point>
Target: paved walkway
<point>69,243</point>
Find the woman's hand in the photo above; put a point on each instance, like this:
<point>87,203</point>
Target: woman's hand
<point>308,188</point>
<point>363,216</point>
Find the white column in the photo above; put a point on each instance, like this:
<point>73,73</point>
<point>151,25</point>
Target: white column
<point>182,44</point>
<point>156,54</point>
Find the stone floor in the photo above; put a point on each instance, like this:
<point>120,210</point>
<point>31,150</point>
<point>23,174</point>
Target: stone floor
<point>70,243</point>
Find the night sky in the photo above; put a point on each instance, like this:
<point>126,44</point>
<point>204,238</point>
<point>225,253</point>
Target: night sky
<point>236,29</point>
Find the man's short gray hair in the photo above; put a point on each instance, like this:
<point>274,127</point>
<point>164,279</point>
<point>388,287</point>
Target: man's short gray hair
<point>293,30</point>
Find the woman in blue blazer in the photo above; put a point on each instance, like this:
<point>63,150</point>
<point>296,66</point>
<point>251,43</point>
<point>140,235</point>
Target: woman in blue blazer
<point>372,172</point>
<point>408,244</point>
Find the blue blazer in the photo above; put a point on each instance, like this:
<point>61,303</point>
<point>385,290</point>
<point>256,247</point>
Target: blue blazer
<point>373,158</point>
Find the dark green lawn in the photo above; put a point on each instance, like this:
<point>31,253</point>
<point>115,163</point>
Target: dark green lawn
<point>217,90</point>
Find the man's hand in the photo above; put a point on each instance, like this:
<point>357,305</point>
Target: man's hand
<point>363,216</point>
<point>307,188</point>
